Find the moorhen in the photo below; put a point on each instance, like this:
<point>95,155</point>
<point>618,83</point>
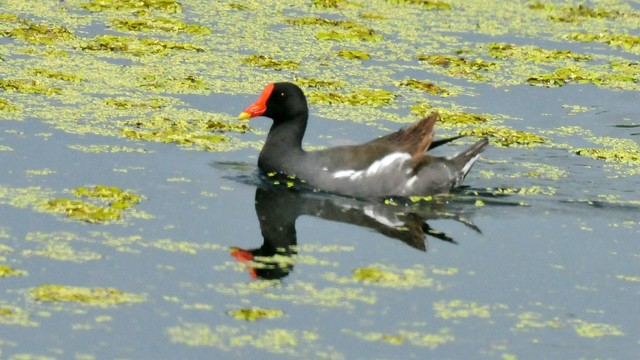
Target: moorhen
<point>393,165</point>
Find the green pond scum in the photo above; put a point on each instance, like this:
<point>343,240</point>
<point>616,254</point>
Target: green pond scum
<point>254,314</point>
<point>83,295</point>
<point>116,202</point>
<point>375,97</point>
<point>414,338</point>
<point>427,86</point>
<point>318,83</point>
<point>6,270</point>
<point>188,53</point>
<point>161,24</point>
<point>167,6</point>
<point>353,54</point>
<point>267,62</point>
<point>504,136</point>
<point>144,46</point>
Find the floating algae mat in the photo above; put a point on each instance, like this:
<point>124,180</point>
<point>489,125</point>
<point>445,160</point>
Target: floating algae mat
<point>89,296</point>
<point>114,199</point>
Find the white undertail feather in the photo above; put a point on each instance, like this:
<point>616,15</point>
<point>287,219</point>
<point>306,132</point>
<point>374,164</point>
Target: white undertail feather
<point>466,168</point>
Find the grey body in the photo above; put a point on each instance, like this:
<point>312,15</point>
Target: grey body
<point>393,165</point>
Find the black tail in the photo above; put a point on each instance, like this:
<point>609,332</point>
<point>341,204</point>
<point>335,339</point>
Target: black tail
<point>465,160</point>
<point>436,143</point>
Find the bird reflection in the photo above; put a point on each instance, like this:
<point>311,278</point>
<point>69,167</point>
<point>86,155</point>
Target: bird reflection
<point>278,207</point>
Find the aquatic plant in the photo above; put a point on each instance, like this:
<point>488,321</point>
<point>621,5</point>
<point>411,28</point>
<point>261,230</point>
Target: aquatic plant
<point>83,295</point>
<point>374,98</point>
<point>56,75</point>
<point>503,136</point>
<point>136,46</point>
<point>560,77</point>
<point>424,85</point>
<point>253,314</point>
<point>267,62</point>
<point>457,65</point>
<point>354,34</point>
<point>28,86</point>
<point>625,41</point>
<point>116,199</point>
<point>612,155</point>
<point>6,105</point>
<point>530,53</point>
<point>40,34</point>
<point>6,271</point>
<point>427,4</point>
<point>319,83</point>
<point>168,6</point>
<point>160,23</point>
<point>353,54</point>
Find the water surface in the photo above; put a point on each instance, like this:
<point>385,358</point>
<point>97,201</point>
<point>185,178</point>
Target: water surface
<point>537,256</point>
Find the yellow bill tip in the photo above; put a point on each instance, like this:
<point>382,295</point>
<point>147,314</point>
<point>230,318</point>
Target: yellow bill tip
<point>244,116</point>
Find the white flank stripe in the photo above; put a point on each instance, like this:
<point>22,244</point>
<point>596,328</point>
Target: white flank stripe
<point>391,161</point>
<point>411,181</point>
<point>343,174</point>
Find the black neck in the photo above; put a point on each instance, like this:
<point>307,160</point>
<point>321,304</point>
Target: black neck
<point>283,142</point>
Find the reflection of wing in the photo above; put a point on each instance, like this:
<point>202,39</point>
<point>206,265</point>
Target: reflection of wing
<point>278,207</point>
<point>380,217</point>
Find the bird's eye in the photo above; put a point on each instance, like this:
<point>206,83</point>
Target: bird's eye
<point>283,96</point>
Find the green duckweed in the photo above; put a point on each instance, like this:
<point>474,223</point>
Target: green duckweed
<point>142,46</point>
<point>183,131</point>
<point>329,4</point>
<point>504,136</point>
<point>562,76</point>
<point>530,53</point>
<point>168,6</point>
<point>353,54</point>
<point>318,83</point>
<point>6,105</point>
<point>28,86</point>
<point>115,199</point>
<point>612,155</point>
<point>84,295</point>
<point>267,62</point>
<point>120,199</point>
<point>84,211</point>
<point>427,86</point>
<point>321,22</point>
<point>159,24</point>
<point>624,41</point>
<point>427,4</point>
<point>462,119</point>
<point>351,34</point>
<point>56,75</point>
<point>161,83</point>
<point>123,104</point>
<point>6,271</point>
<point>254,314</point>
<point>40,34</point>
<point>374,98</point>
<point>456,65</point>
<point>573,14</point>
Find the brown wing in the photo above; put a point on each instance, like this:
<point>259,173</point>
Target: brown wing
<point>414,140</point>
